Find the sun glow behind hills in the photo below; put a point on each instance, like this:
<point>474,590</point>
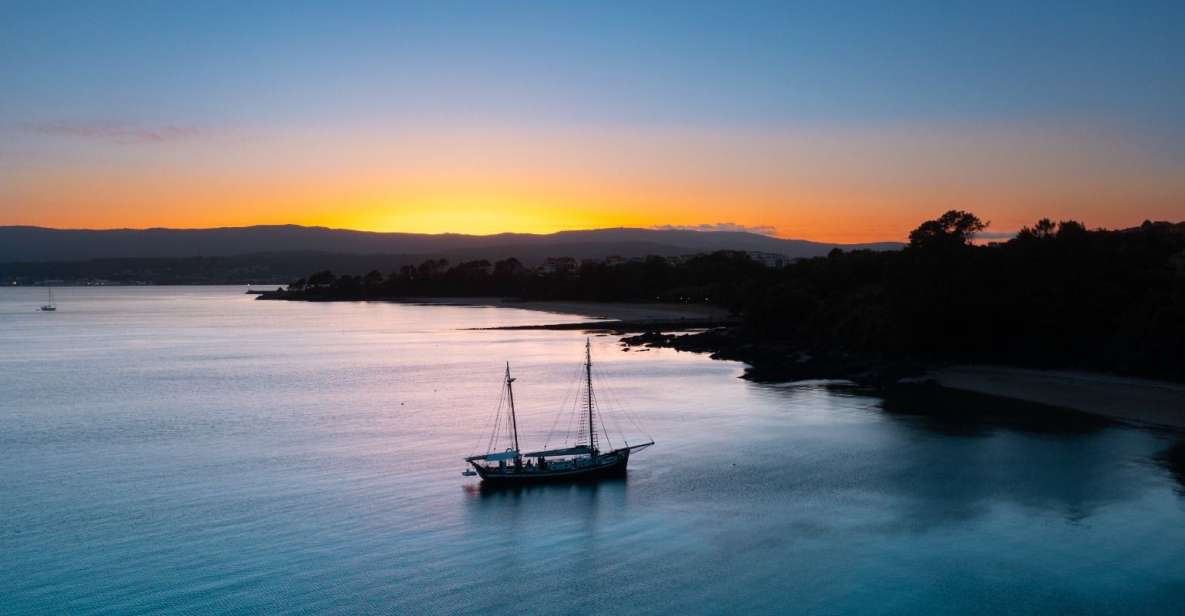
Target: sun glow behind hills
<point>822,122</point>
<point>840,185</point>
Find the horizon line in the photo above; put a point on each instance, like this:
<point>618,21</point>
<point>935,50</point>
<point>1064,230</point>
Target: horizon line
<point>655,228</point>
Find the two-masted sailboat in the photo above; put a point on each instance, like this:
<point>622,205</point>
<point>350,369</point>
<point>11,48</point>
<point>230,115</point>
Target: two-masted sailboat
<point>583,460</point>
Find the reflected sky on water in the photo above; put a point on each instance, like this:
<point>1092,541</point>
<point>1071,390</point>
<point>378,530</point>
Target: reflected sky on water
<point>189,449</point>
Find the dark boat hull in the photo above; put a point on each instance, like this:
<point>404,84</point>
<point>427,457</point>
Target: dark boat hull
<point>514,476</point>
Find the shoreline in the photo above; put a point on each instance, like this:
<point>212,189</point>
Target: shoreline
<point>606,312</point>
<point>1147,402</point>
<point>602,312</point>
<point>1135,400</point>
<point>623,326</point>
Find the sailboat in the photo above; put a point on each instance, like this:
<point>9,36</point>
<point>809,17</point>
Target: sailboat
<point>50,307</point>
<point>584,460</point>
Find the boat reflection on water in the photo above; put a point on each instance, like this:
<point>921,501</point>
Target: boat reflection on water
<point>502,491</point>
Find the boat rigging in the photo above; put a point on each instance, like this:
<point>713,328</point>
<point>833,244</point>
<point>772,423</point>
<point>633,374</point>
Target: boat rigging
<point>50,306</point>
<point>583,460</point>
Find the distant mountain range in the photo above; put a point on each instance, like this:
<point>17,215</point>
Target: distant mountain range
<point>39,244</point>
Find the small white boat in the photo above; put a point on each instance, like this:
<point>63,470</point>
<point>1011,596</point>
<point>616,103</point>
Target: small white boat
<point>50,307</point>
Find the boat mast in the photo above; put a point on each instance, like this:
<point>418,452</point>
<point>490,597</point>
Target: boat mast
<point>513,421</point>
<point>592,434</point>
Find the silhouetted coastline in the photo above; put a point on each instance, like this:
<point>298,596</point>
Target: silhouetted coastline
<point>1056,296</point>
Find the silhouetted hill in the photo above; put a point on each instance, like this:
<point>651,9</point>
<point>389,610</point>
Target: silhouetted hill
<point>38,244</point>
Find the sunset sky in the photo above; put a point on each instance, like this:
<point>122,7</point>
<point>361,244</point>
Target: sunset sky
<point>808,120</point>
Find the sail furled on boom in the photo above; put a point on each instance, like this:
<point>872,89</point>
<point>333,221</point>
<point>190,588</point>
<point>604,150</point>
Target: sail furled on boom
<point>580,450</point>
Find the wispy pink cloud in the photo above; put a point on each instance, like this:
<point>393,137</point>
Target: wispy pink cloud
<point>118,132</point>
<point>721,226</point>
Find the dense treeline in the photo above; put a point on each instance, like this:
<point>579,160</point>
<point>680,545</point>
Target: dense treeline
<point>1057,295</point>
<point>717,278</point>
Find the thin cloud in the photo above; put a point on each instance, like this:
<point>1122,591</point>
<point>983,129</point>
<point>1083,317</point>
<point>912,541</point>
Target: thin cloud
<point>118,132</point>
<point>721,226</point>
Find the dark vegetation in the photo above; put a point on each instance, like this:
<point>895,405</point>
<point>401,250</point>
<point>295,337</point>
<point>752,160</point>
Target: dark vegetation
<point>719,278</point>
<point>1055,296</point>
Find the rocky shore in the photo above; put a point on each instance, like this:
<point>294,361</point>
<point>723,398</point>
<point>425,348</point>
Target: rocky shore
<point>772,361</point>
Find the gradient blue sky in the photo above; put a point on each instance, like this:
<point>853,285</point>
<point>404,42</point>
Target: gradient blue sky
<point>825,120</point>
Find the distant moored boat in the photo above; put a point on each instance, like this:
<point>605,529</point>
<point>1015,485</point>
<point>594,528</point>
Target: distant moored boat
<point>50,306</point>
<point>583,460</point>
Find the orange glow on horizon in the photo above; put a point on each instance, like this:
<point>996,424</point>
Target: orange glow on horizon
<point>832,186</point>
<point>840,218</point>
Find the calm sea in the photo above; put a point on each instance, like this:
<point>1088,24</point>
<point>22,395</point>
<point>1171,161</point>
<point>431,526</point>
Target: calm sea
<point>189,450</point>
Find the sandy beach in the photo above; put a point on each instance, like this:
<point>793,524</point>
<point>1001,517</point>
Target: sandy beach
<point>1136,400</point>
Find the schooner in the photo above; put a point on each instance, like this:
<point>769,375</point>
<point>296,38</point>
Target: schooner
<point>583,460</point>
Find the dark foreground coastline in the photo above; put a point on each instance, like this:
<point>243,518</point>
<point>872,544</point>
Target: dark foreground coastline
<point>691,329</point>
<point>604,311</point>
<point>1134,400</point>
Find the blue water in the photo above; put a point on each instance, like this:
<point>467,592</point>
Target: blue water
<point>189,450</point>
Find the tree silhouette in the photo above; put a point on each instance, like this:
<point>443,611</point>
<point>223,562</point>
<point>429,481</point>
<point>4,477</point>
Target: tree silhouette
<point>953,229</point>
<point>1043,230</point>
